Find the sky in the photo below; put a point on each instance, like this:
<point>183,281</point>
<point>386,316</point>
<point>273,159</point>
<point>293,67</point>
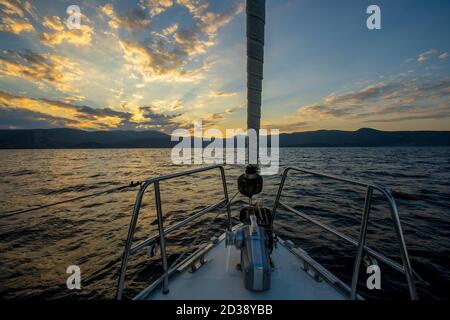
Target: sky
<point>162,64</point>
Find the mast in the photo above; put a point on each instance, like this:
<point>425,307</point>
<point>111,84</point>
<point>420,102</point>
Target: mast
<point>256,16</point>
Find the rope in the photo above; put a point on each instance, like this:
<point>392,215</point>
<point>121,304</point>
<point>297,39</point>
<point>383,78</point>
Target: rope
<point>17,212</point>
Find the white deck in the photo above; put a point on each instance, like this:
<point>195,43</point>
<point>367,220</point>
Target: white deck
<point>219,279</point>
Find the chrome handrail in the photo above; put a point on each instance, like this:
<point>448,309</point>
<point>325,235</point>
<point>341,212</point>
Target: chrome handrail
<point>162,233</point>
<point>360,243</point>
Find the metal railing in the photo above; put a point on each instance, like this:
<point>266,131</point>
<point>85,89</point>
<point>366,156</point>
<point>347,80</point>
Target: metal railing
<point>360,243</point>
<point>162,233</point>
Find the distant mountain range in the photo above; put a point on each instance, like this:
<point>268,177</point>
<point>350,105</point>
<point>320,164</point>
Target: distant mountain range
<point>72,138</point>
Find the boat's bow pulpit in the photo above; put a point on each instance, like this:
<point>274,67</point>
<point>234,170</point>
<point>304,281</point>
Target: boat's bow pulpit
<point>272,269</point>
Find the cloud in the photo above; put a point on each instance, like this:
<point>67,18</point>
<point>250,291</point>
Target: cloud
<point>211,22</point>
<point>54,23</point>
<point>212,119</point>
<point>167,106</point>
<point>134,21</point>
<point>152,62</point>
<point>434,116</point>
<point>90,113</point>
<point>189,42</point>
<point>195,7</point>
<point>159,59</point>
<point>395,99</point>
<point>26,119</point>
<point>161,55</point>
<point>443,56</point>
<point>49,69</point>
<point>151,48</point>
<point>424,56</point>
<point>59,34</point>
<point>286,126</point>
<point>54,113</point>
<point>15,26</point>
<point>221,94</point>
<point>355,98</point>
<point>349,103</point>
<point>28,7</point>
<point>168,54</point>
<point>11,8</point>
<point>170,29</point>
<point>159,6</point>
<point>155,120</point>
<point>13,19</point>
<point>49,108</point>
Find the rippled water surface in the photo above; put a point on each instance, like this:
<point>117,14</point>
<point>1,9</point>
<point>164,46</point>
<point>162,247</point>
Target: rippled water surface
<point>37,247</point>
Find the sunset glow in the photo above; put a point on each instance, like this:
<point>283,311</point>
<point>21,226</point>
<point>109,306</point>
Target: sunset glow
<point>162,64</point>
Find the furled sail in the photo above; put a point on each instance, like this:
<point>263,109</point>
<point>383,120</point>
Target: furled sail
<point>256,16</point>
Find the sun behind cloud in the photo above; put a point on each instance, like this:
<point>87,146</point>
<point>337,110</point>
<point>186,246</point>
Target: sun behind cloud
<point>62,72</point>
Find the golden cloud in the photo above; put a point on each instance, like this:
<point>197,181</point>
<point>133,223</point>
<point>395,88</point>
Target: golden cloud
<point>54,23</point>
<point>212,119</point>
<point>211,22</point>
<point>157,63</point>
<point>74,116</point>
<point>159,6</point>
<point>195,7</point>
<point>11,8</point>
<point>207,21</point>
<point>28,7</point>
<point>133,21</point>
<point>221,94</point>
<point>170,29</point>
<point>52,70</point>
<point>190,43</point>
<point>38,105</point>
<point>166,54</point>
<point>166,106</point>
<point>13,18</point>
<point>67,114</point>
<point>79,37</point>
<point>15,26</point>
